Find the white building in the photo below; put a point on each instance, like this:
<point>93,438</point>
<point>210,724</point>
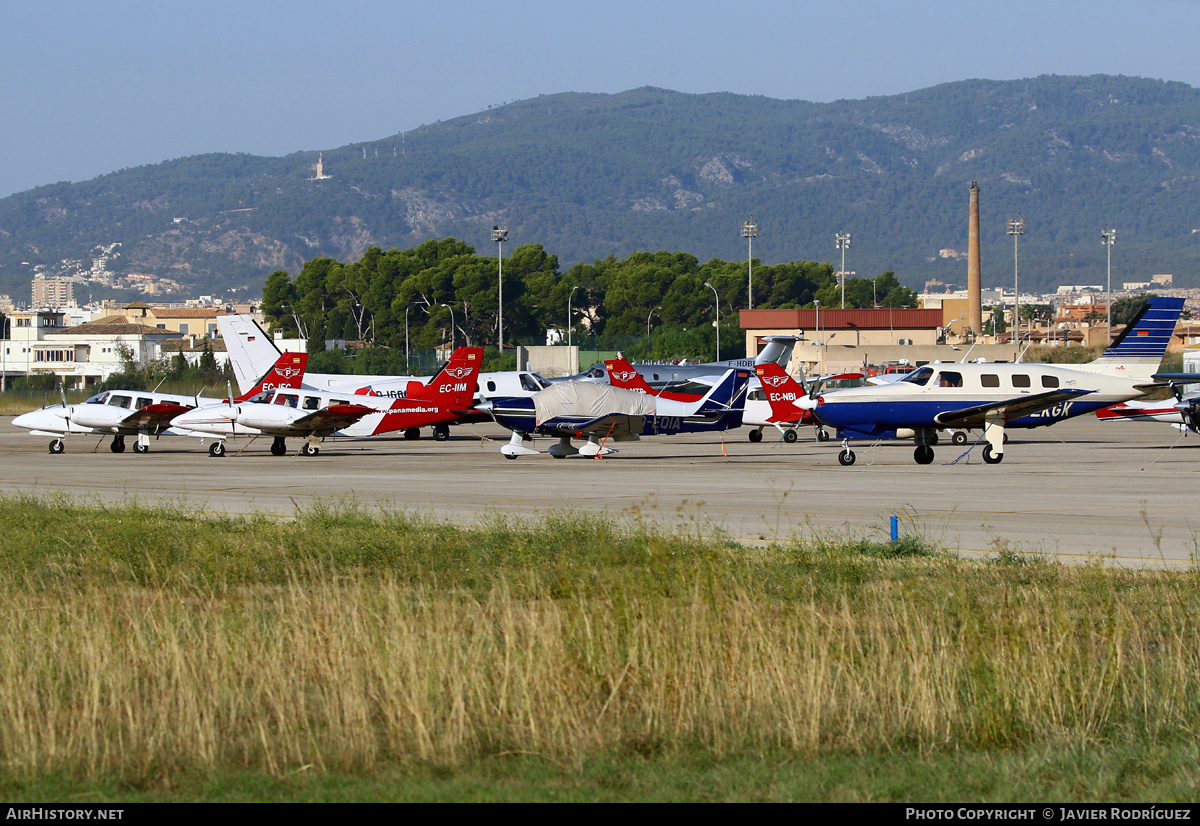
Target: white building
<point>80,356</point>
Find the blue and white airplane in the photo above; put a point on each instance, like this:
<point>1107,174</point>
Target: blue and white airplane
<point>599,413</point>
<point>996,396</point>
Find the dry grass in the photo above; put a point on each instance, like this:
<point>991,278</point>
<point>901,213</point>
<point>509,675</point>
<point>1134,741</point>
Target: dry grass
<point>634,643</point>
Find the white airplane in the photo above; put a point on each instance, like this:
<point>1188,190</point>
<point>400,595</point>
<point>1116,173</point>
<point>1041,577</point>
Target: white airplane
<point>997,396</point>
<point>139,413</point>
<point>315,415</point>
<point>250,348</point>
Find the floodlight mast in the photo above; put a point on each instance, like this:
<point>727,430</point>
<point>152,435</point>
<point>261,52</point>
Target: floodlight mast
<point>750,232</point>
<point>1109,237</point>
<point>843,243</point>
<point>1016,228</point>
<point>500,235</point>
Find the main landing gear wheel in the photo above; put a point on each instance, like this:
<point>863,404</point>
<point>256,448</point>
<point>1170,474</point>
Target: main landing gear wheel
<point>846,457</point>
<point>959,437</point>
<point>412,433</point>
<point>789,436</point>
<point>117,445</point>
<point>141,448</point>
<point>309,450</point>
<point>278,446</point>
<point>991,458</point>
<point>822,434</point>
<point>216,449</point>
<point>441,432</point>
<point>754,435</point>
<point>57,446</point>
<point>923,454</point>
<point>512,456</point>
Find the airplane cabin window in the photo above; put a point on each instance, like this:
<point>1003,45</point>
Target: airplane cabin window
<point>120,401</point>
<point>144,402</point>
<point>990,380</point>
<point>312,403</point>
<point>1021,380</point>
<point>919,377</point>
<point>1049,381</point>
<point>755,395</point>
<point>337,401</point>
<point>948,378</point>
<point>491,386</point>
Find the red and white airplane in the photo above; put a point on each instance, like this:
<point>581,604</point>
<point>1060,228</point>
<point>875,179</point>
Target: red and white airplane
<point>1183,412</point>
<point>315,415</point>
<point>141,413</point>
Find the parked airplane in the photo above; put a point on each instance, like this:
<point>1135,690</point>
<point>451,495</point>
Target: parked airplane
<point>249,348</point>
<point>140,413</point>
<point>318,414</point>
<point>598,413</point>
<point>778,349</point>
<point>997,396</point>
<point>1183,412</point>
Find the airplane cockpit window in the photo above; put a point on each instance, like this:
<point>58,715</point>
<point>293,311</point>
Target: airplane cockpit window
<point>312,403</point>
<point>120,401</point>
<point>144,402</point>
<point>99,398</point>
<point>542,381</point>
<point>1021,380</point>
<point>527,383</point>
<point>948,378</point>
<point>287,399</point>
<point>262,398</point>
<point>1049,381</point>
<point>919,377</point>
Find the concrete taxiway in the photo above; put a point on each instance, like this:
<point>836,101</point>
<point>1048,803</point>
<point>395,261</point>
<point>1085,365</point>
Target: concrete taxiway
<point>1079,490</point>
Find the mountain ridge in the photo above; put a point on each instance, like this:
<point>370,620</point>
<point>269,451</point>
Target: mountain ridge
<point>589,175</point>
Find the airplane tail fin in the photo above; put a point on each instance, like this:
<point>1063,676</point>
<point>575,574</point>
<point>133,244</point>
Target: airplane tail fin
<point>782,392</point>
<point>778,350</point>
<point>251,351</point>
<point>453,387</point>
<point>1137,352</point>
<point>286,372</point>
<point>727,397</point>
<point>622,374</point>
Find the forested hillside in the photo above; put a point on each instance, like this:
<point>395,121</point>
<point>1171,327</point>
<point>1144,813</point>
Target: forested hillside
<point>588,175</point>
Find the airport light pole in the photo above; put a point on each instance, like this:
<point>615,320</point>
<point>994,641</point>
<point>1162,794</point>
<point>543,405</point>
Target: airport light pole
<point>569,324</point>
<point>818,305</point>
<point>843,243</point>
<point>750,232</point>
<point>451,309</point>
<point>648,320</point>
<point>1016,228</point>
<point>407,363</point>
<point>500,235</point>
<point>1109,237</point>
<point>717,299</point>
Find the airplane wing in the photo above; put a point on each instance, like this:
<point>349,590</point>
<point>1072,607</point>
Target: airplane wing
<point>153,416</point>
<point>334,417</point>
<point>620,427</point>
<point>1013,408</point>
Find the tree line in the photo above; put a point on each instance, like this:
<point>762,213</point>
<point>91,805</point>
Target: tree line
<point>442,292</point>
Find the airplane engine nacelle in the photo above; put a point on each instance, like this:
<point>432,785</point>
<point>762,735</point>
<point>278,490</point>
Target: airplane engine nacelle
<point>104,416</point>
<point>265,416</point>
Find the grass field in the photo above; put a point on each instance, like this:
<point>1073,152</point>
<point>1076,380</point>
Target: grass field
<point>157,654</point>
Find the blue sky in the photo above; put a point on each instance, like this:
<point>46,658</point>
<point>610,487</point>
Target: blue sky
<point>91,87</point>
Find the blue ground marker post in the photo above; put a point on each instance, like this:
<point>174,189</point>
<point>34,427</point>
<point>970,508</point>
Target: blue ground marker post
<point>895,528</point>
